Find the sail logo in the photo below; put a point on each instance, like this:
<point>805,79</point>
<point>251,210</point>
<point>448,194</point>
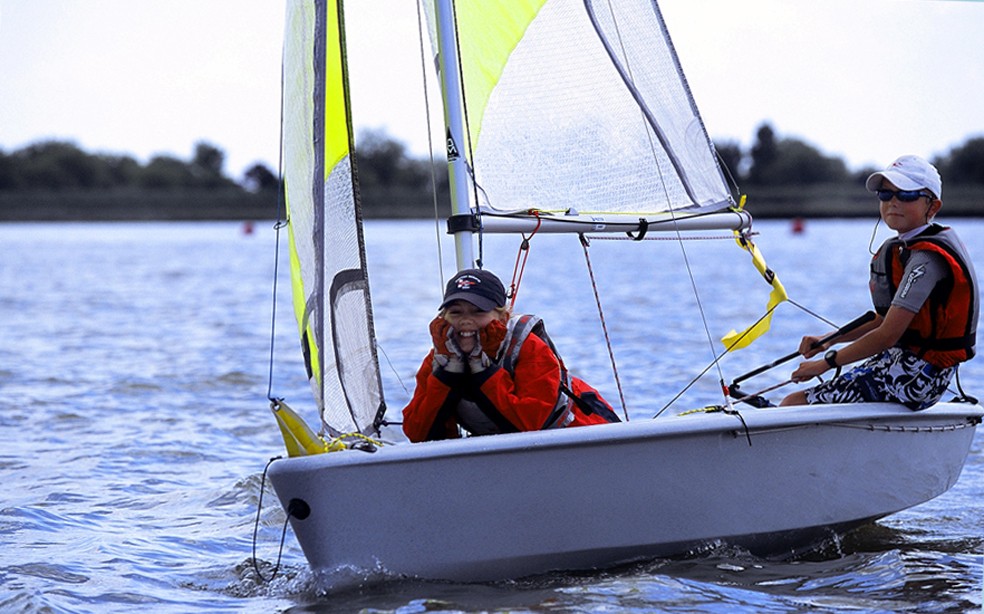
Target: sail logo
<point>452,149</point>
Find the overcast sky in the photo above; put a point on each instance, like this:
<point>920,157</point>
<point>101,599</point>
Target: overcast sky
<point>865,80</point>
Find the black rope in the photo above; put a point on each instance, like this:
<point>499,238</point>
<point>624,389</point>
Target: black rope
<point>744,427</point>
<point>962,397</point>
<point>643,228</point>
<point>256,527</point>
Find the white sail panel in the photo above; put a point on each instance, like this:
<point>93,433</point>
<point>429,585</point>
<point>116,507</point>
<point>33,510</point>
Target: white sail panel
<point>352,387</point>
<point>328,270</point>
<point>299,162</point>
<point>591,112</point>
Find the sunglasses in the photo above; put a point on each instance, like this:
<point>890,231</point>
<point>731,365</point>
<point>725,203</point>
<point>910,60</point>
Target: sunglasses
<point>905,196</point>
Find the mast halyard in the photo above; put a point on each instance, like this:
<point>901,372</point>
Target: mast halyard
<point>456,135</point>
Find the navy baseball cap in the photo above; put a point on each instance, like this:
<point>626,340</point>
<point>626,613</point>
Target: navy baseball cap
<point>480,288</point>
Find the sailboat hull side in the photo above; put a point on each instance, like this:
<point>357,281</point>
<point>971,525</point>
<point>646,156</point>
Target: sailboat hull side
<point>509,506</point>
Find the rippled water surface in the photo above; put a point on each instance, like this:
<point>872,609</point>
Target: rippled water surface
<point>134,425</point>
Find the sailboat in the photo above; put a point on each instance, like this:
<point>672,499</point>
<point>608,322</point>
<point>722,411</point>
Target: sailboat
<point>533,91</point>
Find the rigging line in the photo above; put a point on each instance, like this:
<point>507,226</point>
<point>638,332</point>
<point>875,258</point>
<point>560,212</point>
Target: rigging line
<point>671,211</point>
<point>713,363</point>
<point>481,243</point>
<point>273,308</point>
<point>727,170</point>
<point>703,315</point>
<point>392,368</point>
<point>519,268</point>
<point>811,312</point>
<point>256,527</point>
<point>963,396</point>
<point>604,326</point>
<point>956,377</point>
<point>430,148</point>
<point>717,359</point>
<point>631,77</point>
<point>281,222</point>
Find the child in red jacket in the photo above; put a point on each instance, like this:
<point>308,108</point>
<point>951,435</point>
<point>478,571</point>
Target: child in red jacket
<point>492,373</point>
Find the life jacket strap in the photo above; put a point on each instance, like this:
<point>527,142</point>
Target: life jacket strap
<point>589,403</point>
<point>948,344</point>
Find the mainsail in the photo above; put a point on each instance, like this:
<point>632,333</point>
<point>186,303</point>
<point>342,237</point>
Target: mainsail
<point>327,250</point>
<point>581,105</point>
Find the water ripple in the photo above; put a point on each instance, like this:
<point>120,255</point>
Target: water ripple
<point>135,430</point>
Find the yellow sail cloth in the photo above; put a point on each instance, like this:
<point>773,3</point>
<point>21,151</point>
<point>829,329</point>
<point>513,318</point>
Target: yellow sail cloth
<point>299,439</point>
<point>488,33</point>
<point>337,132</point>
<point>737,340</point>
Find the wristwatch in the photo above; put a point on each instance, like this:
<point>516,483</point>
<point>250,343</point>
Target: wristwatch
<point>831,358</point>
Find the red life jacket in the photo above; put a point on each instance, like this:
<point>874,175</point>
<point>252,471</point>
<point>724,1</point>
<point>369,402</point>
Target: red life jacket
<point>944,330</point>
<point>518,330</point>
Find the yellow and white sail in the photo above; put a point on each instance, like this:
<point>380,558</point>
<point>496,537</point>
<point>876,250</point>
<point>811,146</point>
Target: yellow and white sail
<point>327,251</point>
<point>581,104</point>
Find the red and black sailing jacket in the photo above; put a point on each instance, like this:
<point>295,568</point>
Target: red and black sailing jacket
<point>527,388</point>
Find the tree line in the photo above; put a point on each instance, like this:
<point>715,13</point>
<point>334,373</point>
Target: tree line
<point>53,176</point>
<point>773,162</point>
<point>62,165</point>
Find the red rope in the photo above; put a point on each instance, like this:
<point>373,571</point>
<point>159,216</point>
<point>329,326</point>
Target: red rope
<point>522,255</point>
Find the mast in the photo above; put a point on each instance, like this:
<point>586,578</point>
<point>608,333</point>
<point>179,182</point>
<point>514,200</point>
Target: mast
<point>318,185</point>
<point>456,135</point>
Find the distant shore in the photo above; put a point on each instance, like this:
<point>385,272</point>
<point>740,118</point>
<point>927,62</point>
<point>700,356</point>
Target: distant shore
<point>816,201</point>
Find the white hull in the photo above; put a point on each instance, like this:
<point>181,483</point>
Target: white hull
<point>508,506</point>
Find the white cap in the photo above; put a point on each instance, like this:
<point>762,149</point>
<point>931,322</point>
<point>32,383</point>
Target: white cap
<point>908,173</point>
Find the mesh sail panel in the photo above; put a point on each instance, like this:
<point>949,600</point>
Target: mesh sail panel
<point>352,389</point>
<point>589,111</point>
<point>328,272</point>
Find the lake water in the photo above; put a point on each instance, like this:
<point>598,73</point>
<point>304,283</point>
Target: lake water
<point>134,422</point>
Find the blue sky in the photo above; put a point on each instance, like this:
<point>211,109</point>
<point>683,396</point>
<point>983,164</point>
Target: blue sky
<point>865,80</point>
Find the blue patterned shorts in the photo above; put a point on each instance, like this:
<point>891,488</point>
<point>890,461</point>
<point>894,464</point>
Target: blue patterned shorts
<point>896,375</point>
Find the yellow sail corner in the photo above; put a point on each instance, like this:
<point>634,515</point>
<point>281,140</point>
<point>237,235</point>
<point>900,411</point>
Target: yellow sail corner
<point>299,438</point>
